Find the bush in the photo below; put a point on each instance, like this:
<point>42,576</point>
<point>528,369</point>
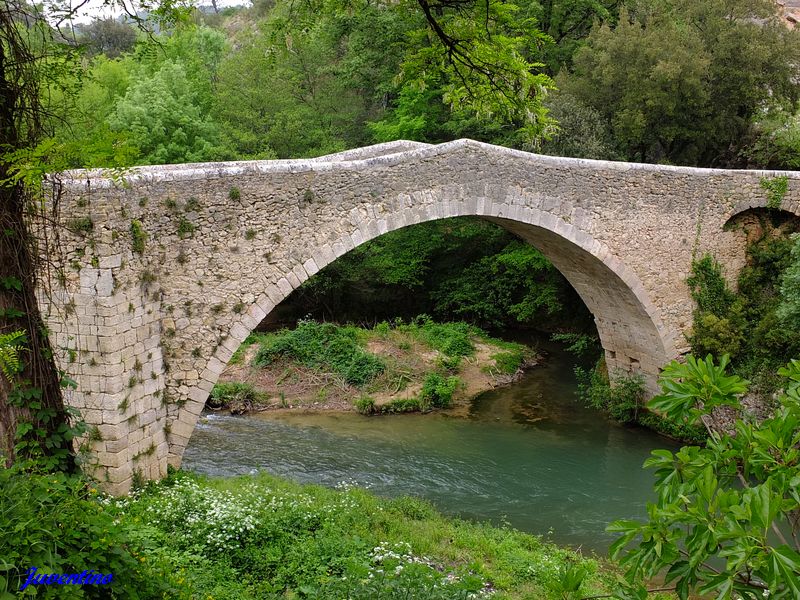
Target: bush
<point>437,391</point>
<point>57,524</point>
<point>323,346</point>
<point>789,308</point>
<point>725,511</point>
<point>365,405</point>
<point>509,362</point>
<point>402,405</point>
<point>225,394</point>
<point>690,434</point>
<point>714,335</point>
<point>621,396</point>
<point>451,339</point>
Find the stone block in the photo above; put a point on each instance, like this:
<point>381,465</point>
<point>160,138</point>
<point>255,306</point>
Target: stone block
<point>311,267</point>
<point>113,460</point>
<point>112,261</point>
<point>120,473</point>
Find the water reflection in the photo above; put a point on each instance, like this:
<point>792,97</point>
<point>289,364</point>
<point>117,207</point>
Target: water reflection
<point>528,454</point>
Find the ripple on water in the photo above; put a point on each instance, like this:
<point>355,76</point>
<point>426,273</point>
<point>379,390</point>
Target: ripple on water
<point>528,454</point>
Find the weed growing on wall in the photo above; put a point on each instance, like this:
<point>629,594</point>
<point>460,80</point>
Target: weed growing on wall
<point>776,189</point>
<point>138,236</point>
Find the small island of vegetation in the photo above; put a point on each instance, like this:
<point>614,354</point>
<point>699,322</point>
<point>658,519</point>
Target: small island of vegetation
<point>390,368</point>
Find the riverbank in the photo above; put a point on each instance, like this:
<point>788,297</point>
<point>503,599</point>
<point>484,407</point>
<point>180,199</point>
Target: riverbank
<point>397,367</point>
<point>260,537</point>
<point>263,537</point>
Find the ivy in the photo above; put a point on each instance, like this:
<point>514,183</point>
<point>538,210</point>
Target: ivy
<point>10,363</point>
<point>776,190</point>
<point>11,283</point>
<point>709,288</point>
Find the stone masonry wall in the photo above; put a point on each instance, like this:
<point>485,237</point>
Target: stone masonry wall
<point>167,269</point>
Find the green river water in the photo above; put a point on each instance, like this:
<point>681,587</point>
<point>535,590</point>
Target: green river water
<point>528,454</point>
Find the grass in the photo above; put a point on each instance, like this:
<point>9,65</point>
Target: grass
<point>397,367</point>
<point>265,537</point>
<point>326,346</point>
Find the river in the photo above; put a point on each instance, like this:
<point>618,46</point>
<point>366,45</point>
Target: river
<point>528,454</point>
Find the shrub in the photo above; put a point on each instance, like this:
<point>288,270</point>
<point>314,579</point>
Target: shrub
<point>579,344</point>
<point>724,512</point>
<point>402,405</point>
<point>789,308</point>
<point>383,328</point>
<point>714,335</point>
<point>450,364</point>
<point>621,396</point>
<point>56,523</point>
<point>509,362</point>
<point>452,339</point>
<point>365,405</point>
<point>437,390</point>
<point>225,394</point>
<point>323,346</point>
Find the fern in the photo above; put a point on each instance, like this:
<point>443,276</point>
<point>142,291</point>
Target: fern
<point>10,345</point>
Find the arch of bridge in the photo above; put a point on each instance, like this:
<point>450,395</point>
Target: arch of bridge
<point>226,243</point>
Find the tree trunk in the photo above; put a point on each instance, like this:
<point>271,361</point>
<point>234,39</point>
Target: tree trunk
<point>35,394</point>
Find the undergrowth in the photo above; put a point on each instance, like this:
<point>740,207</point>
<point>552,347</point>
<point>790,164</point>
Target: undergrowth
<point>323,345</point>
<point>340,356</point>
<point>263,537</point>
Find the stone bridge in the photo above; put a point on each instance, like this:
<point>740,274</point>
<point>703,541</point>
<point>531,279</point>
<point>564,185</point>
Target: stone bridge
<point>166,269</point>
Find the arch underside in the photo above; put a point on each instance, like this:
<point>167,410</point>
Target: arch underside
<point>629,328</point>
<point>628,333</point>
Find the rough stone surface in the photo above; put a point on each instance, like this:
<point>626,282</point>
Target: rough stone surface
<point>145,335</point>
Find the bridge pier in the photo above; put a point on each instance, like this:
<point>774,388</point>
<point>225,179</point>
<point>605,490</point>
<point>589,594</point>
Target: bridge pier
<point>108,341</point>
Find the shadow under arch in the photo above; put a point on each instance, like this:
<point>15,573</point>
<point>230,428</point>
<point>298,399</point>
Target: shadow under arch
<point>629,325</point>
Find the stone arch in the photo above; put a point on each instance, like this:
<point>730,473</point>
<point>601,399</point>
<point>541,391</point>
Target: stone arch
<point>786,206</point>
<point>629,324</point>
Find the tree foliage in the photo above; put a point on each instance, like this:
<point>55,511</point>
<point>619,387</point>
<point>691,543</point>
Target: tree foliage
<point>669,76</point>
<point>456,269</point>
<point>788,311</point>
<point>735,502</point>
<point>162,117</point>
<point>110,37</point>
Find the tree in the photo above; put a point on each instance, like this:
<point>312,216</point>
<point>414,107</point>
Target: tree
<point>305,81</point>
<point>108,36</point>
<point>788,311</point>
<point>670,77</point>
<point>33,396</point>
<point>483,56</point>
<point>163,117</point>
<point>582,132</point>
<point>567,23</point>
<point>777,140</point>
<point>735,502</point>
<point>36,58</point>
